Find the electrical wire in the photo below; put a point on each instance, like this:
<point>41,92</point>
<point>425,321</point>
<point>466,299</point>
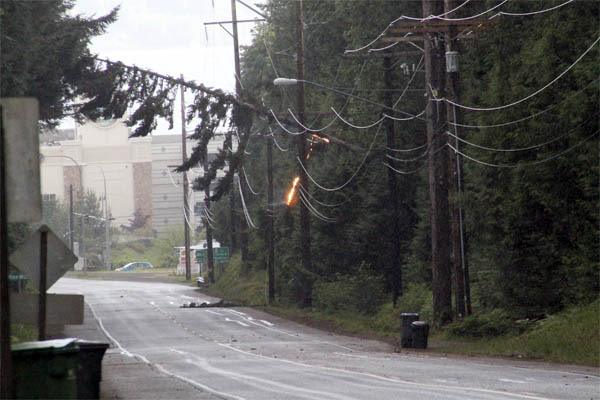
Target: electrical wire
<point>245,208</point>
<point>277,144</point>
<point>354,125</point>
<point>533,12</point>
<point>313,209</point>
<point>321,203</point>
<point>351,177</point>
<point>472,16</point>
<point>254,192</point>
<point>406,150</point>
<point>521,148</point>
<point>409,82</point>
<point>521,164</point>
<point>372,42</point>
<point>530,95</point>
<point>405,172</point>
<point>553,106</point>
<point>407,160</point>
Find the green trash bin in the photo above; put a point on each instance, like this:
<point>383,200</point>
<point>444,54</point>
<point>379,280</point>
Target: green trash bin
<point>89,372</point>
<point>45,369</point>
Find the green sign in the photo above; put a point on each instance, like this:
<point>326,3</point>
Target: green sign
<point>220,255</point>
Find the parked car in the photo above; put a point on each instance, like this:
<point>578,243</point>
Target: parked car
<point>132,266</point>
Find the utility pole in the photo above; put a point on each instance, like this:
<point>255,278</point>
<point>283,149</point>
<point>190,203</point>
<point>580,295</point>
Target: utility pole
<point>186,206</point>
<point>437,170</point>
<point>392,182</point>
<point>209,244</point>
<point>71,217</point>
<point>238,92</point>
<point>454,182</point>
<point>301,143</point>
<point>5,352</point>
<point>270,244</point>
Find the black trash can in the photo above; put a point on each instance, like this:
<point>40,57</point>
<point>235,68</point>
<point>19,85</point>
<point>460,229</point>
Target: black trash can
<point>420,333</point>
<point>45,369</point>
<point>406,333</point>
<point>89,371</point>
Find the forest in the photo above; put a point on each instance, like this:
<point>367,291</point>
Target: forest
<point>529,162</point>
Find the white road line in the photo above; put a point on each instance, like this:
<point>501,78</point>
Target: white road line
<point>264,384</point>
<point>266,322</point>
<point>262,326</point>
<point>511,380</point>
<point>195,384</point>
<point>395,380</point>
<point>214,312</point>
<point>236,321</point>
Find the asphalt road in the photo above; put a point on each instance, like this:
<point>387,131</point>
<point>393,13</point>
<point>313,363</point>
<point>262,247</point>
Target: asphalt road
<point>240,353</point>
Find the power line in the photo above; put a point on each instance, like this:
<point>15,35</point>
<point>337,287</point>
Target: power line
<point>524,118</point>
<point>527,97</point>
<point>521,148</point>
<point>524,164</point>
<point>254,192</point>
<point>372,42</point>
<point>334,189</point>
<point>533,12</point>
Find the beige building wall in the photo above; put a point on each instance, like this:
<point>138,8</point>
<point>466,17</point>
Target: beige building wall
<point>101,148</point>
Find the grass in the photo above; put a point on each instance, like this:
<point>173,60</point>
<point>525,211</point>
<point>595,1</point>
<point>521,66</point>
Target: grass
<point>22,333</point>
<point>248,289</point>
<point>572,336</point>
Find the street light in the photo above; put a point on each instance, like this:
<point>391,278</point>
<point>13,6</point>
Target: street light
<point>42,157</point>
<point>106,221</point>
<point>107,254</point>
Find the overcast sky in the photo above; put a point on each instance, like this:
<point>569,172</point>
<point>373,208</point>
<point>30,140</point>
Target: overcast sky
<point>169,36</point>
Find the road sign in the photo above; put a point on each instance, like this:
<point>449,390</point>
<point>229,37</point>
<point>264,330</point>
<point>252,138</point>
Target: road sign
<point>27,258</point>
<point>220,255</point>
<point>22,152</point>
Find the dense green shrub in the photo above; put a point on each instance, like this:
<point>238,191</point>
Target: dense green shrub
<point>362,292</point>
<point>494,323</point>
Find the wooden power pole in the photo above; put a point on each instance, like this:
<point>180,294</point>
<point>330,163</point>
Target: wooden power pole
<point>301,144</point>
<point>392,182</point>
<point>434,56</point>
<point>209,244</point>
<point>186,206</point>
<point>238,91</point>
<point>460,269</point>
<point>270,238</point>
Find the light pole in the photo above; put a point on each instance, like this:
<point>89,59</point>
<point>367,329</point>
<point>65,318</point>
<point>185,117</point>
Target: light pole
<point>107,264</point>
<point>107,254</point>
<point>71,199</point>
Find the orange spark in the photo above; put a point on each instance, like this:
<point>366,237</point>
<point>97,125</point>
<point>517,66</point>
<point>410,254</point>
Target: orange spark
<point>291,194</point>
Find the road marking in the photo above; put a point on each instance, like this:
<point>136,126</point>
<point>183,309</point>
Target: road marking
<point>511,380</point>
<point>195,384</point>
<point>214,312</point>
<point>238,322</point>
<point>171,303</point>
<point>394,380</point>
<point>262,326</point>
<point>266,322</point>
<point>264,384</point>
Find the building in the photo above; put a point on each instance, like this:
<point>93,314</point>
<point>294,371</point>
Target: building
<point>138,172</point>
<point>167,190</point>
<point>98,157</point>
